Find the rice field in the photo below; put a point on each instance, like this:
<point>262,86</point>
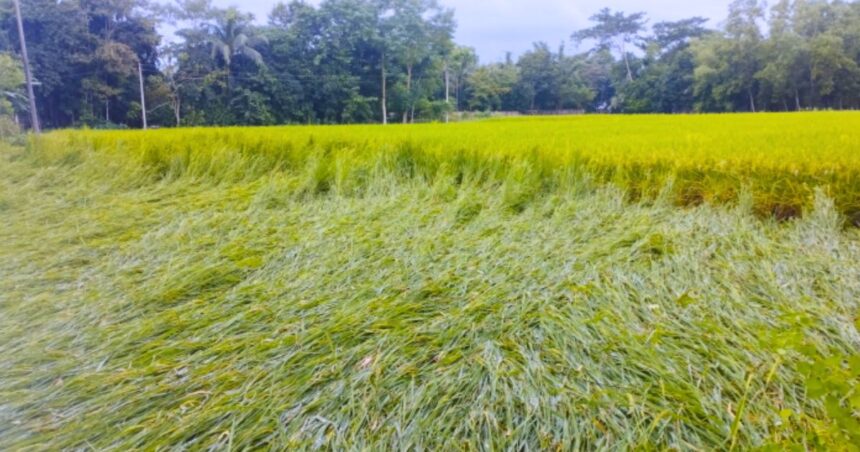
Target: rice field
<point>593,282</point>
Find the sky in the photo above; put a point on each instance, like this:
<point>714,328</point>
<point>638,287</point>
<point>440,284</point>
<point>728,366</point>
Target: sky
<point>494,27</point>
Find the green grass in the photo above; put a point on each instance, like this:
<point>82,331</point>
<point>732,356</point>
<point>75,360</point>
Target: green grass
<point>347,297</point>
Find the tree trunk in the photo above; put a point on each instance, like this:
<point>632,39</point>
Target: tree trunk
<point>812,96</point>
<point>797,99</point>
<point>457,92</point>
<point>447,95</point>
<point>384,97</point>
<point>752,100</point>
<point>177,110</point>
<point>626,63</point>
<point>408,92</point>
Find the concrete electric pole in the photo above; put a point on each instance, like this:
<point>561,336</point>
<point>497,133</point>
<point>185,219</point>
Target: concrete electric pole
<point>34,115</point>
<point>142,97</point>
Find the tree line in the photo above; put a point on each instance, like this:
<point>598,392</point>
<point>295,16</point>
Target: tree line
<point>364,61</point>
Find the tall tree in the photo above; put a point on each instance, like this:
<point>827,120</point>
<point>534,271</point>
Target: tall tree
<point>785,54</point>
<point>742,27</point>
<point>728,62</point>
<point>615,30</point>
<point>231,35</point>
<point>84,55</point>
<point>463,62</point>
<point>344,61</point>
<point>665,83</point>
<point>416,33</point>
<point>488,85</point>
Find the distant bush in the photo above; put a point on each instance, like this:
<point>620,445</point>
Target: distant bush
<point>101,124</point>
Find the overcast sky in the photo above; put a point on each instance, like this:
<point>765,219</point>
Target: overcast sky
<point>494,27</point>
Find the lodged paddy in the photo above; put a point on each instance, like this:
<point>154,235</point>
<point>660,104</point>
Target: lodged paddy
<point>595,282</point>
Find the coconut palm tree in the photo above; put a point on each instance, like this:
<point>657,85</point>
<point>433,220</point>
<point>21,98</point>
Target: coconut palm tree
<point>233,35</point>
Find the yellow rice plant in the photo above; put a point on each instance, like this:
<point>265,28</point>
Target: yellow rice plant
<point>780,158</point>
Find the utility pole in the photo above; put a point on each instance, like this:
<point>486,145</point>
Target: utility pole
<point>34,115</point>
<point>142,97</point>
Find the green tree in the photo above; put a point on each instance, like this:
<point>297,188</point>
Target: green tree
<point>745,45</point>
<point>834,74</point>
<point>463,63</point>
<point>728,62</point>
<point>617,31</point>
<point>489,84</point>
<point>416,35</point>
<point>784,73</point>
<point>343,61</point>
<point>537,81</point>
<point>11,94</point>
<point>11,82</point>
<point>84,56</point>
<point>231,35</point>
<point>551,80</point>
<point>327,60</point>
<point>665,83</point>
<point>217,73</point>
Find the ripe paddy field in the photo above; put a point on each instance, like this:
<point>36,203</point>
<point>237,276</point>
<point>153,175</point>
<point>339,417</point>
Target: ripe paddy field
<point>590,282</point>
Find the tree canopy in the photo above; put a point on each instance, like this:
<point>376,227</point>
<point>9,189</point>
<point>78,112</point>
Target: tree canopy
<point>365,61</point>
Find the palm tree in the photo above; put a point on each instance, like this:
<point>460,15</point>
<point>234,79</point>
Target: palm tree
<point>233,35</point>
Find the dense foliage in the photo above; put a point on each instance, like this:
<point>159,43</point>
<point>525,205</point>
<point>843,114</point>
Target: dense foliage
<point>472,286</point>
<point>362,61</point>
<point>11,96</point>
